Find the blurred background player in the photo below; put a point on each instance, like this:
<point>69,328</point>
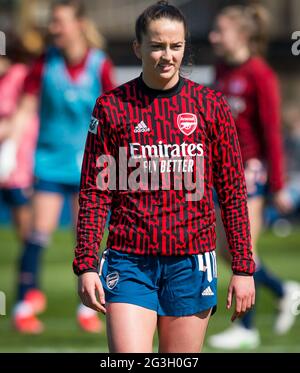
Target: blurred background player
<point>292,146</point>
<point>62,87</point>
<point>251,87</point>
<point>16,163</point>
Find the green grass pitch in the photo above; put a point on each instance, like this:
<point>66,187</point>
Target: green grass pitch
<point>62,333</point>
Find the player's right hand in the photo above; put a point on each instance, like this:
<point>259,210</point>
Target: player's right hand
<point>283,202</point>
<point>91,292</point>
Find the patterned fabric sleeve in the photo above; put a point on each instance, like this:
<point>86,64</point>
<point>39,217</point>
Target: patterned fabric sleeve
<point>268,96</point>
<point>94,202</point>
<point>229,182</point>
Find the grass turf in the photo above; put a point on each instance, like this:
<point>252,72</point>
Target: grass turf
<point>62,333</point>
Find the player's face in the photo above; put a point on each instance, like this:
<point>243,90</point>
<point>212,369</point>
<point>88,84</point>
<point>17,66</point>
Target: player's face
<point>64,27</point>
<point>226,38</point>
<point>161,52</point>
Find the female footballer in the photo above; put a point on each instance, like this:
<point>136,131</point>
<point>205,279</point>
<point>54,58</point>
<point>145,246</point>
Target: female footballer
<point>146,139</point>
<point>252,90</point>
<point>16,164</point>
<point>62,87</point>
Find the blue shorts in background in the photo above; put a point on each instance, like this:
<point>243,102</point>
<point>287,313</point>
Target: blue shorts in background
<point>16,197</point>
<point>171,286</point>
<point>42,185</point>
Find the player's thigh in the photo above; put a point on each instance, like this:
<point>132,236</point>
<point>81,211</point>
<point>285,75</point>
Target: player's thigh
<point>22,217</point>
<point>75,209</point>
<point>46,209</point>
<point>182,334</point>
<point>130,328</point>
<point>255,208</point>
<point>222,243</point>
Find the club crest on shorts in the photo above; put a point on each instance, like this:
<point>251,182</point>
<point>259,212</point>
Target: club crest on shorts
<point>112,280</point>
<point>187,123</point>
<point>93,125</point>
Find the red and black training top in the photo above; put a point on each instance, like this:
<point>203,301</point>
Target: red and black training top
<point>183,127</point>
<point>252,90</point>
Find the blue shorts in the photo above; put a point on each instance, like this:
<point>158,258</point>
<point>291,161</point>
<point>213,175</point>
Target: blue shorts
<point>41,185</point>
<point>170,286</point>
<point>16,197</point>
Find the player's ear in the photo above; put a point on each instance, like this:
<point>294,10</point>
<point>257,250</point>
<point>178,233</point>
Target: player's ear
<point>137,49</point>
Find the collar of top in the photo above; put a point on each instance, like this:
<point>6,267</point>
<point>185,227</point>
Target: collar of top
<point>160,92</point>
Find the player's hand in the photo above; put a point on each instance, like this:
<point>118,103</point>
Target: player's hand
<point>91,292</point>
<point>283,201</point>
<point>241,288</point>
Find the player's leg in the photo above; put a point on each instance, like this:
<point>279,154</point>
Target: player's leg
<point>242,334</point>
<point>18,200</point>
<point>130,283</point>
<point>87,318</point>
<point>130,328</point>
<point>222,243</point>
<point>255,208</point>
<point>75,209</point>
<point>284,291</point>
<point>21,217</point>
<point>187,296</point>
<point>182,334</point>
<point>46,208</point>
<point>262,275</point>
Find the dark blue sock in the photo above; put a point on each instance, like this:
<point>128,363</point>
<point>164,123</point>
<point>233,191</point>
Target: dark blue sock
<point>247,320</point>
<point>29,268</point>
<point>262,278</point>
<point>269,280</point>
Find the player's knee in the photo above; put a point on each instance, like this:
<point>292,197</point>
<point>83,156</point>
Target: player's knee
<point>39,238</point>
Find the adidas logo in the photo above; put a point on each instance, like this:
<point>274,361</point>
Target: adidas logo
<point>141,127</point>
<point>207,291</point>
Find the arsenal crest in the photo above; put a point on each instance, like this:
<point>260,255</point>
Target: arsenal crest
<point>187,123</point>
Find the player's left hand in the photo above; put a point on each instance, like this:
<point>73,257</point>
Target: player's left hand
<point>283,201</point>
<point>241,288</point>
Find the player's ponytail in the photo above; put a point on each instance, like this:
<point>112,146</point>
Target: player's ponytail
<point>92,35</point>
<point>260,34</point>
<point>254,21</point>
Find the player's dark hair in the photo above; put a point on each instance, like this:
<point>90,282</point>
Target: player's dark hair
<point>254,20</point>
<point>162,9</point>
